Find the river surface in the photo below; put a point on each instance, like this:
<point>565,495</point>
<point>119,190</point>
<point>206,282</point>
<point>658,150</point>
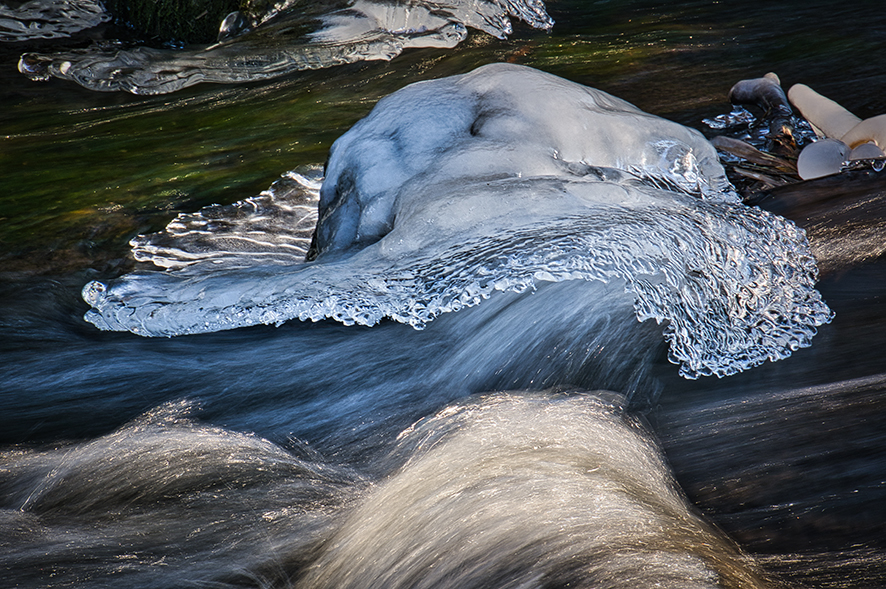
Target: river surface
<point>464,454</point>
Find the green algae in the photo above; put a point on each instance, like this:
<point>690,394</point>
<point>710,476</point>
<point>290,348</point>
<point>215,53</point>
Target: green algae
<point>185,21</point>
<point>92,177</point>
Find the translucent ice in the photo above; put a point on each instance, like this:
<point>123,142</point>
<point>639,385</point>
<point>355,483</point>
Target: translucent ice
<point>49,19</point>
<point>497,180</point>
<point>272,228</point>
<point>301,36</point>
<point>822,158</point>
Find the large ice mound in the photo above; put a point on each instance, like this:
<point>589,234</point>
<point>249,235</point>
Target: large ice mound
<point>496,180</point>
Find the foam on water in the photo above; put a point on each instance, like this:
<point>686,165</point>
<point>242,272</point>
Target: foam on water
<point>454,189</point>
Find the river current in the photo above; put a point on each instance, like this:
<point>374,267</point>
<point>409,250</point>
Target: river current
<point>538,341</point>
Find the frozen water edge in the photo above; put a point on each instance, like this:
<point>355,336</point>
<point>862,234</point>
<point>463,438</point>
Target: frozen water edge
<point>291,38</point>
<point>734,285</point>
<point>274,227</point>
<point>773,309</point>
<point>49,19</point>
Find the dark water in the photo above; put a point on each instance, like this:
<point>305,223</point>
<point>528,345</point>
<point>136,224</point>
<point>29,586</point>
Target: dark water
<point>269,456</point>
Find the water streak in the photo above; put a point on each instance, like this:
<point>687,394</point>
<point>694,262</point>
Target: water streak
<point>119,499</point>
<point>504,490</point>
<point>528,490</point>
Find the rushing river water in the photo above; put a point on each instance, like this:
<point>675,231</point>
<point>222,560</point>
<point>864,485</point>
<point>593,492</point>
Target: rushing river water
<point>534,434</point>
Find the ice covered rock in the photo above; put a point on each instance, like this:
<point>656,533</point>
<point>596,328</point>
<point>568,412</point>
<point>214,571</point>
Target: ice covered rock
<point>501,180</point>
<point>500,121</point>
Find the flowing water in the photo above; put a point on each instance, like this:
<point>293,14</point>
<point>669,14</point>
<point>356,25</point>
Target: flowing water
<point>532,433</point>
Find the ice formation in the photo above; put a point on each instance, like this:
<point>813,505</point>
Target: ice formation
<point>498,180</point>
<point>300,37</point>
<point>49,19</point>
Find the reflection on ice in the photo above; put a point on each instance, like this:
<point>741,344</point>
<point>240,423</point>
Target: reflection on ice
<point>49,19</point>
<point>303,36</point>
<point>274,227</point>
<point>497,180</point>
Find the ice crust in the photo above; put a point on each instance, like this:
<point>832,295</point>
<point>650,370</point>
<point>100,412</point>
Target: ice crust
<point>500,121</point>
<point>274,227</point>
<point>499,180</point>
<point>49,19</point>
<point>293,37</point>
